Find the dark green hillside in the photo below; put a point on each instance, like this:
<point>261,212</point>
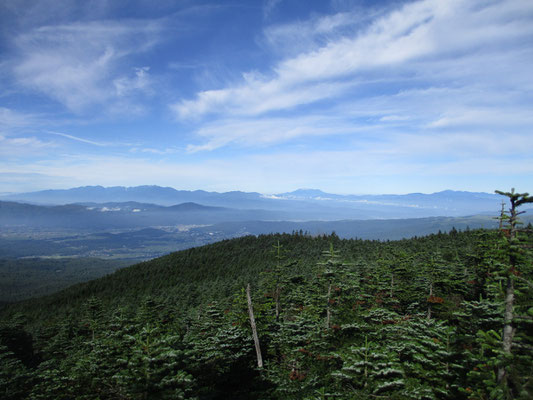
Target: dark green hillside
<point>199,275</point>
<point>336,319</point>
<point>194,276</point>
<point>24,278</point>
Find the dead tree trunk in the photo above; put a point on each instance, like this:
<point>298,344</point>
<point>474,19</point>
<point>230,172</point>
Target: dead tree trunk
<point>254,328</point>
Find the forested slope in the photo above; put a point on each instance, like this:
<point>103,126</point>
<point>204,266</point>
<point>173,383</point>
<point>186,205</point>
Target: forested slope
<point>31,277</point>
<point>349,319</point>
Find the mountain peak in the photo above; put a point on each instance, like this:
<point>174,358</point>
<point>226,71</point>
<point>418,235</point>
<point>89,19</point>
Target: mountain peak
<point>191,206</point>
<point>307,192</point>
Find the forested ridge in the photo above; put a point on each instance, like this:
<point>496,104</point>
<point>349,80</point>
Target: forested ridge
<point>31,277</point>
<point>445,316</point>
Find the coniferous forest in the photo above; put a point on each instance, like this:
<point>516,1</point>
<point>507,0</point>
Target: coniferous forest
<point>291,316</point>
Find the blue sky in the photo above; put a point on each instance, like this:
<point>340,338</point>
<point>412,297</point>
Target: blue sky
<point>348,96</point>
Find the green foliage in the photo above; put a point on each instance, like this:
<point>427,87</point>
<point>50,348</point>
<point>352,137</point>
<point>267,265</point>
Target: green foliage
<point>15,378</point>
<point>25,278</point>
<point>347,319</point>
<point>398,357</point>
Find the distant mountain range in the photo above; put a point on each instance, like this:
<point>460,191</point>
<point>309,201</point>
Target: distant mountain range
<point>147,221</point>
<point>127,215</point>
<point>299,205</point>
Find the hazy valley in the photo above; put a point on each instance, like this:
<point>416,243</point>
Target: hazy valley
<point>144,222</point>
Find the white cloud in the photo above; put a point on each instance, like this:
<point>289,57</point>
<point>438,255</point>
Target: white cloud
<point>10,119</point>
<point>428,89</point>
<point>408,117</point>
<point>257,97</point>
<point>461,144</point>
<point>267,131</point>
<point>20,147</point>
<point>303,36</point>
<point>269,6</point>
<point>394,118</point>
<point>125,85</point>
<point>77,139</point>
<point>77,63</point>
<point>161,152</point>
<point>473,53</point>
<point>502,117</point>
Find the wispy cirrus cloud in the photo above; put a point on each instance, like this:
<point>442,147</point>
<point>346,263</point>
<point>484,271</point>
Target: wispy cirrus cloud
<point>269,6</point>
<point>473,52</point>
<point>342,95</point>
<point>21,147</point>
<point>268,131</point>
<point>77,64</point>
<point>125,85</point>
<point>12,119</point>
<point>291,39</point>
<point>78,139</point>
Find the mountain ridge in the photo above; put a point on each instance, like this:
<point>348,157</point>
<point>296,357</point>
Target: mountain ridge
<point>172,190</point>
<point>301,204</point>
